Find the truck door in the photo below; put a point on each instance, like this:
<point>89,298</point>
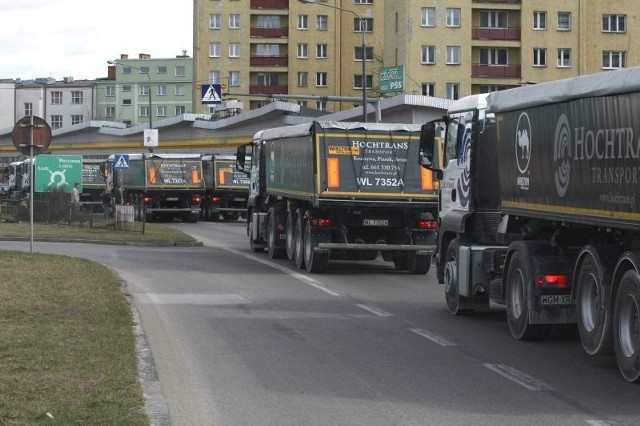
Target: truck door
<point>255,178</point>
<point>455,189</point>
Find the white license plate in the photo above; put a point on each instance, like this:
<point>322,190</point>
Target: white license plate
<point>550,299</point>
<point>375,222</point>
<point>172,198</point>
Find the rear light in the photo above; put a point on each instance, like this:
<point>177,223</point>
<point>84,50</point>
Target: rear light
<point>196,199</point>
<point>320,222</point>
<point>216,198</point>
<point>553,281</point>
<point>147,199</point>
<point>427,224</point>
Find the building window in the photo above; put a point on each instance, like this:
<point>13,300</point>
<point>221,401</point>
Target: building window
<point>161,69</point>
<point>428,17</point>
<point>181,109</point>
<point>180,90</point>
<point>234,50</point>
<point>234,21</point>
<point>110,112</point>
<point>56,121</point>
<point>321,50</point>
<point>453,55</point>
<point>144,70</point>
<point>564,21</point>
<point>144,90</point>
<point>539,57</point>
<point>214,49</point>
<point>321,105</point>
<point>493,19</point>
<point>180,71</point>
<point>28,109</point>
<point>56,98</point>
<point>161,111</point>
<point>614,23</point>
<point>162,90</point>
<point>363,2</point>
<point>76,119</point>
<point>564,58</point>
<point>613,60</point>
<point>539,20</point>
<point>303,22</point>
<point>268,21</point>
<point>126,70</point>
<point>234,78</point>
<point>322,22</point>
<point>428,89</point>
<point>428,55</point>
<point>453,17</point>
<point>494,56</point>
<point>215,21</point>
<point>303,50</point>
<point>126,102</point>
<point>110,91</point>
<point>143,111</point>
<point>126,88</point>
<point>76,97</point>
<point>357,53</point>
<point>360,25</point>
<point>303,79</point>
<point>321,79</point>
<point>452,91</point>
<point>357,81</point>
<point>214,77</point>
<point>269,50</point>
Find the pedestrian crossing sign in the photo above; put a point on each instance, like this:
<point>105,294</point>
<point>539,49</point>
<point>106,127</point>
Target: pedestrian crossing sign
<point>211,94</point>
<point>121,161</point>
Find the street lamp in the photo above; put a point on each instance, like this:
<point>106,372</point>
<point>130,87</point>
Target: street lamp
<point>146,72</point>
<point>364,49</point>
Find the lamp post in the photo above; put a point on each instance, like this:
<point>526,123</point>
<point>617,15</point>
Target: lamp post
<point>364,49</point>
<point>146,72</point>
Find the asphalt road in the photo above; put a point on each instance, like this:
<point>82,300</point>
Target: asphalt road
<point>240,339</point>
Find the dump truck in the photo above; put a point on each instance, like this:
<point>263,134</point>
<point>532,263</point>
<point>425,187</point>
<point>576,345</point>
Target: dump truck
<point>159,186</point>
<point>94,181</point>
<point>331,190</point>
<point>226,189</point>
<point>540,211</point>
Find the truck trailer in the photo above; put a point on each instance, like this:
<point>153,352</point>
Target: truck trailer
<point>331,190</point>
<point>539,209</point>
<point>159,186</point>
<point>226,189</point>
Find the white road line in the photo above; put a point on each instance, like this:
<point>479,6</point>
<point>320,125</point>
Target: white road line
<point>433,337</point>
<point>519,377</point>
<point>374,310</point>
<point>597,423</point>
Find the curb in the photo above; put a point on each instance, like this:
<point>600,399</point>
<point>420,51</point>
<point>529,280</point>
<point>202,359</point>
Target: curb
<point>110,242</point>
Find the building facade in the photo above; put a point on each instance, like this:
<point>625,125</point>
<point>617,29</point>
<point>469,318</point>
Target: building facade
<point>144,89</point>
<point>448,48</point>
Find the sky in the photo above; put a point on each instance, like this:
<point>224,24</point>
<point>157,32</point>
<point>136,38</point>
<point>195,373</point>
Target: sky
<point>75,38</point>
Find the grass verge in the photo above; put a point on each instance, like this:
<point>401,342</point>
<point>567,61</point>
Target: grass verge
<point>67,348</point>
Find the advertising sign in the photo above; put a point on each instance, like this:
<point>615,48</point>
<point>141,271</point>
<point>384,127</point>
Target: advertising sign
<point>392,79</point>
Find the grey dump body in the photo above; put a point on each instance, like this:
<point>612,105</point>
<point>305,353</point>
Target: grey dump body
<point>226,189</point>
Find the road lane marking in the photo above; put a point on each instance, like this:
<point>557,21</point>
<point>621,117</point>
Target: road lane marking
<point>518,377</point>
<point>433,337</point>
<point>219,299</point>
<point>374,310</point>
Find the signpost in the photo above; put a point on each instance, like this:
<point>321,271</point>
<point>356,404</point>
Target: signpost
<point>392,79</point>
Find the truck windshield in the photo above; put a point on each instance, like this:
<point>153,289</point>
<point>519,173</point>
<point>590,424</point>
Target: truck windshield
<point>458,131</point>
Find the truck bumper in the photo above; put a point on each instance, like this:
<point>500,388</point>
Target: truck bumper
<point>419,249</point>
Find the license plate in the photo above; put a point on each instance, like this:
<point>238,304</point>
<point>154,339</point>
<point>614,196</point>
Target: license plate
<point>375,222</point>
<point>172,198</point>
<point>551,299</point>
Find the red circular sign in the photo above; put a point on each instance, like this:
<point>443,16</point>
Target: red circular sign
<point>21,135</point>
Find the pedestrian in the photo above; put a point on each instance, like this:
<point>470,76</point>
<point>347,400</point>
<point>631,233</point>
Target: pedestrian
<point>75,198</point>
<point>120,195</point>
<point>106,203</point>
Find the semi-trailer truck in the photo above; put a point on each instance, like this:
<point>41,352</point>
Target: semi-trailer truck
<point>226,189</point>
<point>539,209</point>
<point>331,190</point>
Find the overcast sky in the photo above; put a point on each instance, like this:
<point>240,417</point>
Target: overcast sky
<point>61,38</point>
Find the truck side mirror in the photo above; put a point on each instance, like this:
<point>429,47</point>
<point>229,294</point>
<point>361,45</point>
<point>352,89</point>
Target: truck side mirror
<point>241,155</point>
<point>427,145</point>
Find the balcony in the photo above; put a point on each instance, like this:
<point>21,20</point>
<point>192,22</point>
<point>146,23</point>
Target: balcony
<point>495,71</point>
<point>269,61</point>
<point>268,90</point>
<point>478,33</point>
<point>269,4</point>
<point>269,32</point>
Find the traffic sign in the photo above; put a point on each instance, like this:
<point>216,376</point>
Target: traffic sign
<point>121,161</point>
<point>211,94</point>
<point>57,172</point>
<point>22,135</point>
<point>392,79</point>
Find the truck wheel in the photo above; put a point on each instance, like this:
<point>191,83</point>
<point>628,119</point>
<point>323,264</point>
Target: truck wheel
<point>229,216</point>
<point>456,304</point>
<point>254,247</point>
<point>418,264</point>
<point>314,262</point>
<point>518,281</point>
<point>626,326</point>
<point>290,233</point>
<point>299,243</point>
<point>594,319</point>
<point>272,239</point>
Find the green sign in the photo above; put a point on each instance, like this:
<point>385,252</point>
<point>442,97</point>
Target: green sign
<point>392,79</point>
<point>57,172</point>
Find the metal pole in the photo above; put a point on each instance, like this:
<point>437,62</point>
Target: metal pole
<point>31,182</point>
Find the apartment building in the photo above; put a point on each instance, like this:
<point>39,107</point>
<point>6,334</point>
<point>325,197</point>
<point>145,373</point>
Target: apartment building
<point>144,89</point>
<point>448,48</point>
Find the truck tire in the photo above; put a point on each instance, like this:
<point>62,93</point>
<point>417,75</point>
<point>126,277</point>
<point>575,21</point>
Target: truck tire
<point>299,241</point>
<point>626,323</point>
<point>290,229</point>
<point>230,216</point>
<point>593,317</point>
<point>519,280</point>
<point>418,264</point>
<point>456,304</point>
<point>314,262</point>
<point>275,252</point>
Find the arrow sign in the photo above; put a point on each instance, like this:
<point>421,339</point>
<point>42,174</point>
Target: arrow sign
<point>211,94</point>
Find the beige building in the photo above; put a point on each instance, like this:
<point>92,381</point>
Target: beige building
<point>259,49</point>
